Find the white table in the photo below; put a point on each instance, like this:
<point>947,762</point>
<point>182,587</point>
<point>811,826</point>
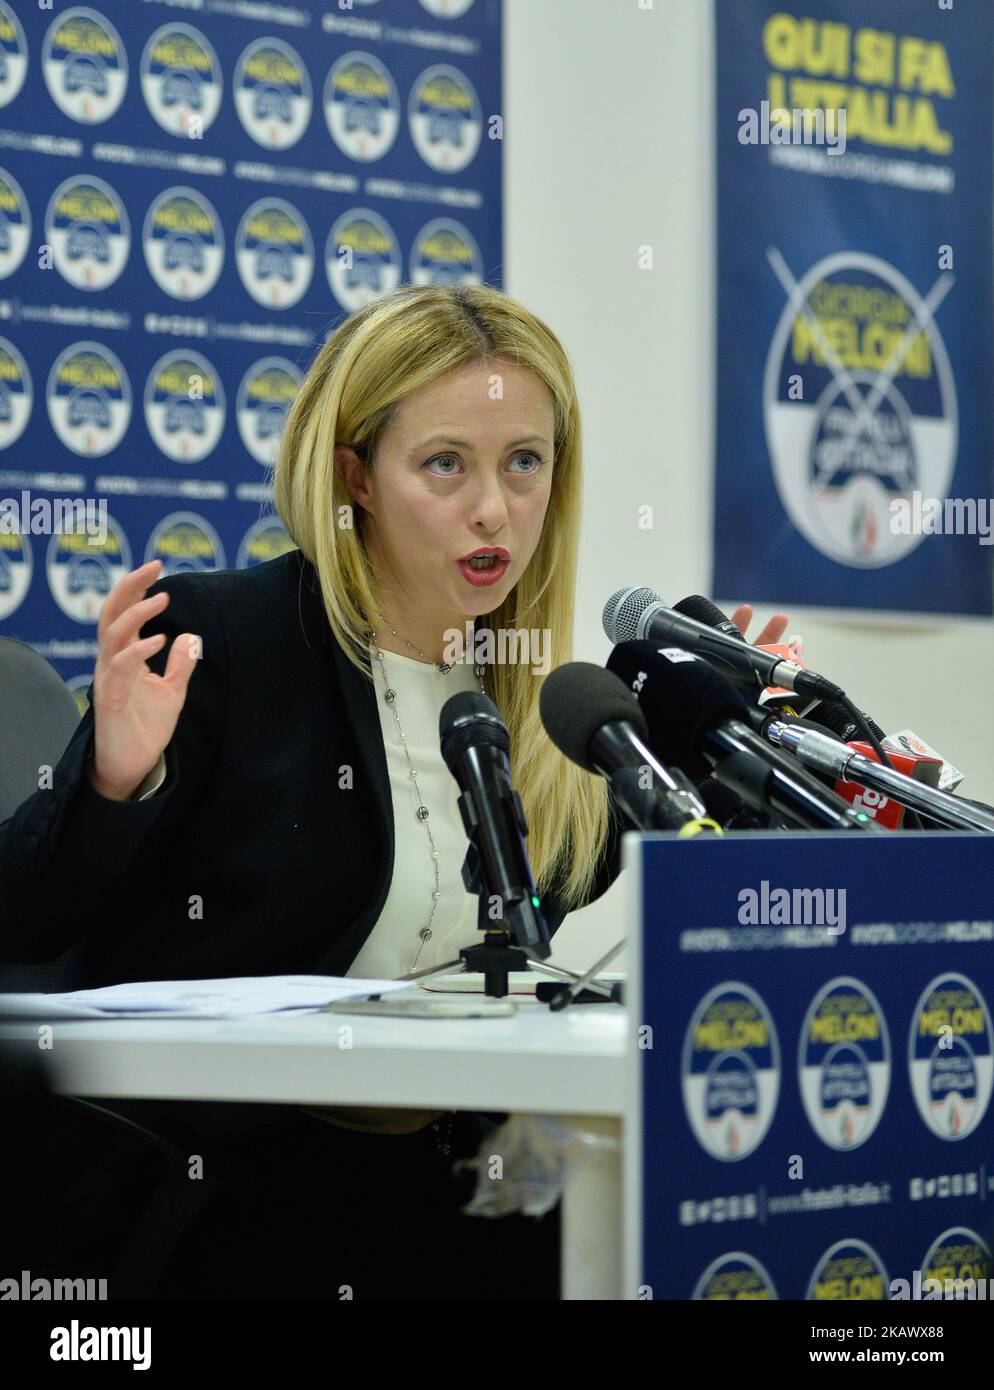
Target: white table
<point>570,1064</point>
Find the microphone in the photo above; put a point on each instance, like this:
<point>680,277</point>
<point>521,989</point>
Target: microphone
<point>841,720</point>
<point>641,614</point>
<point>697,720</point>
<point>597,723</point>
<point>476,750</point>
<point>831,713</point>
<point>887,809</point>
<point>841,761</point>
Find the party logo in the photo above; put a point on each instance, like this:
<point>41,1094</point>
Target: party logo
<point>89,399</point>
<point>181,80</point>
<point>730,1071</point>
<point>444,117</point>
<point>87,227</point>
<point>361,106</point>
<point>85,65</point>
<point>183,243</point>
<point>362,258</point>
<point>82,569</point>
<point>844,1064</point>
<point>265,395</point>
<point>184,406</point>
<point>273,94</point>
<point>950,1056</point>
<point>274,253</point>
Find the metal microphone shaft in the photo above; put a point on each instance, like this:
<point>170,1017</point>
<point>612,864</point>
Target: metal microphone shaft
<point>838,760</point>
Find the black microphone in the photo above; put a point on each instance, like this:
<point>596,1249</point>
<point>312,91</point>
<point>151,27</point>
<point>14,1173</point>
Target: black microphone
<point>636,614</point>
<point>476,750</point>
<point>697,719</point>
<point>829,714</point>
<point>597,723</point>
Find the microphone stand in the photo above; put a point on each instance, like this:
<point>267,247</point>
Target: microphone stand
<point>499,953</point>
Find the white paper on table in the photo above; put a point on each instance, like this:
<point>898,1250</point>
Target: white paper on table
<point>234,998</point>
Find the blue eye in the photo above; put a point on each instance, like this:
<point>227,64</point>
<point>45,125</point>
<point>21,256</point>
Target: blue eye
<point>441,458</point>
<point>538,461</point>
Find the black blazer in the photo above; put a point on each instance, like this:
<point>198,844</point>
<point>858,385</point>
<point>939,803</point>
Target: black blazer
<point>292,871</point>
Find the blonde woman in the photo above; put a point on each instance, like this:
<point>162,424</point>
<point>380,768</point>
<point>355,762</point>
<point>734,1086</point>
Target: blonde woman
<point>257,787</point>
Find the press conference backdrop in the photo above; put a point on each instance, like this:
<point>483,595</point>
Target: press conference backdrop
<point>855,303</point>
<point>190,201</point>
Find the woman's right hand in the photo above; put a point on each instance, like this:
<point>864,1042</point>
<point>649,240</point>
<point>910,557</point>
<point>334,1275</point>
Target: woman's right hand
<point>135,711</point>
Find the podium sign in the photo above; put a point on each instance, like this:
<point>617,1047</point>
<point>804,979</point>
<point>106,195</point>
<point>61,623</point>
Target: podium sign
<point>814,1059</point>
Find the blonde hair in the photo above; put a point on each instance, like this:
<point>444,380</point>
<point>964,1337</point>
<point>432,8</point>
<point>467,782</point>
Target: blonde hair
<point>375,358</point>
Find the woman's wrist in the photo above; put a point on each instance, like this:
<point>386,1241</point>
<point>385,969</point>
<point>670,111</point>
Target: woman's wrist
<point>105,789</point>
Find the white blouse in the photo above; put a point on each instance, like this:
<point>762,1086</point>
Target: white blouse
<point>394,947</point>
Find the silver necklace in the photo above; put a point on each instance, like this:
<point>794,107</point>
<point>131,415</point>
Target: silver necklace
<point>390,695</point>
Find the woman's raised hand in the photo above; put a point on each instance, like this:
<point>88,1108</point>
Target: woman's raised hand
<point>135,711</point>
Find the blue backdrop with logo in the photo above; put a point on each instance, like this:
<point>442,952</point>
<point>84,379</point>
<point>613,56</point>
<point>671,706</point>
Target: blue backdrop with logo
<point>191,199</point>
<point>815,1070</point>
<point>854,304</point>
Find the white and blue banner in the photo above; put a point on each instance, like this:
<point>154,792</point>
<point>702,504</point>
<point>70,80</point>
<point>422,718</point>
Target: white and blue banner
<point>192,197</point>
<point>855,303</point>
<point>813,1068</point>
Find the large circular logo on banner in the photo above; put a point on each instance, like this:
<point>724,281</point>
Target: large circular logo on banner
<point>362,258</point>
<point>13,55</point>
<point>183,241</point>
<point>16,394</point>
<point>274,253</point>
<point>443,112</point>
<point>850,1269</point>
<point>265,540</point>
<point>87,227</point>
<point>361,106</point>
<point>735,1276</point>
<point>184,541</point>
<point>89,399</point>
<point>184,406</point>
<point>445,253</point>
<point>447,9</point>
<point>730,1071</point>
<point>265,395</point>
<point>273,93</point>
<point>844,1063</point>
<point>859,406</point>
<point>15,224</point>
<point>82,569</point>
<point>181,80</point>
<point>85,65</point>
<point>958,1255</point>
<point>16,565</point>
<point>951,1056</point>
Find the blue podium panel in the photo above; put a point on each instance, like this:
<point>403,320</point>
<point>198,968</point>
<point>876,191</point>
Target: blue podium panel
<point>814,1063</point>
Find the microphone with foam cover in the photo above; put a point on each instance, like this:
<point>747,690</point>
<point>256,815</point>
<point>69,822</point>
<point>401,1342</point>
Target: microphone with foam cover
<point>597,723</point>
<point>697,719</point>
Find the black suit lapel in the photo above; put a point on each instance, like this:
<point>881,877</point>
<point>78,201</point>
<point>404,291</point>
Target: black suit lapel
<point>371,776</point>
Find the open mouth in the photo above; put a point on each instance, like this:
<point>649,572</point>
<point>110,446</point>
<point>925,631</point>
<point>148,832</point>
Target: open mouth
<point>484,569</point>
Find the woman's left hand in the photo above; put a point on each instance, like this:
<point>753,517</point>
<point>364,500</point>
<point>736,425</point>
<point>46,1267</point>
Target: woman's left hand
<point>772,632</point>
